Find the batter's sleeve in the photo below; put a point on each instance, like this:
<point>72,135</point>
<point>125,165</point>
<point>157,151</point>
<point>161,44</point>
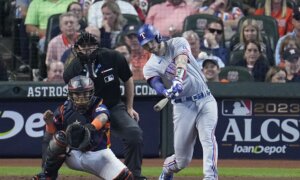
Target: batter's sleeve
<point>180,47</point>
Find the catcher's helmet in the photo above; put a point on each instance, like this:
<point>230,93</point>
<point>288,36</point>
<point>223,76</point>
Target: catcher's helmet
<point>148,33</point>
<point>81,91</point>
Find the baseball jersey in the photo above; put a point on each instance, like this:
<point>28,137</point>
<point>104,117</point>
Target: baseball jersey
<point>164,66</point>
<point>66,114</point>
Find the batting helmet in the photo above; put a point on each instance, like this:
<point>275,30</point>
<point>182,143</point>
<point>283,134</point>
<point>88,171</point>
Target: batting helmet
<point>148,33</point>
<point>81,91</point>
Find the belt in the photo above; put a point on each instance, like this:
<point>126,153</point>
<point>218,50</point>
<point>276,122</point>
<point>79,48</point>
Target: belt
<point>192,98</point>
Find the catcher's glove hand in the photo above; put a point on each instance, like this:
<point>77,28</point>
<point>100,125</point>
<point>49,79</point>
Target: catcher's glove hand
<point>79,136</point>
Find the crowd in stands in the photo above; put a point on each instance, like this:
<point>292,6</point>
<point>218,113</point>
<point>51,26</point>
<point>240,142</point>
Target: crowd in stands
<point>259,39</point>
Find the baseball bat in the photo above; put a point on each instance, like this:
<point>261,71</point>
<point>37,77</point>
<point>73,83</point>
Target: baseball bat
<point>161,104</point>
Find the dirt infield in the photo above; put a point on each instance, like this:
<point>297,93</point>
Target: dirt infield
<point>158,162</point>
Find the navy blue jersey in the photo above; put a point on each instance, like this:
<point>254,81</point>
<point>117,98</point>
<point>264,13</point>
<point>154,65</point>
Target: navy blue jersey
<point>66,114</point>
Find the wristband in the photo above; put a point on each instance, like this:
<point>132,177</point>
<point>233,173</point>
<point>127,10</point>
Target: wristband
<point>180,73</point>
<point>98,124</point>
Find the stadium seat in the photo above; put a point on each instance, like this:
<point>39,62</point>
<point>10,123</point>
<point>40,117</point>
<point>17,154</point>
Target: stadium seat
<point>51,31</point>
<point>236,56</point>
<point>268,26</point>
<point>235,74</point>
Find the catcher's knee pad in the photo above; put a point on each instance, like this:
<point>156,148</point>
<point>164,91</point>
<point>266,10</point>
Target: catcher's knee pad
<point>55,154</point>
<point>45,143</point>
<point>125,175</point>
<point>170,165</point>
<point>58,143</point>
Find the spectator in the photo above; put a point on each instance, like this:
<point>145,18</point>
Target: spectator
<point>125,50</point>
<point>212,42</point>
<point>95,15</point>
<point>55,72</point>
<point>251,31</point>
<point>139,56</point>
<point>77,9</point>
<point>254,61</point>
<point>211,70</point>
<point>288,42</point>
<point>112,24</point>
<point>38,14</point>
<point>278,9</point>
<point>168,17</point>
<point>295,34</point>
<point>203,56</point>
<point>292,64</point>
<point>69,26</point>
<point>194,41</point>
<point>230,15</point>
<point>276,75</point>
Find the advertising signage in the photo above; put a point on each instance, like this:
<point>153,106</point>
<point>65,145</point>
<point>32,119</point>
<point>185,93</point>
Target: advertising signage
<point>259,128</point>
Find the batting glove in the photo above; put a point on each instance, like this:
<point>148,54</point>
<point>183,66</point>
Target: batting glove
<point>168,93</point>
<point>177,86</point>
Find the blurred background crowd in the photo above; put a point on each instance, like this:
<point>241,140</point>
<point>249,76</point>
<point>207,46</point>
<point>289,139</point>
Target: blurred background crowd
<point>233,40</point>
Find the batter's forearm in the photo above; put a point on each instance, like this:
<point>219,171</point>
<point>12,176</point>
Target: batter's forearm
<point>181,66</point>
<point>157,84</point>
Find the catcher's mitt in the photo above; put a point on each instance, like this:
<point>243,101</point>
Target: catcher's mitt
<point>79,136</point>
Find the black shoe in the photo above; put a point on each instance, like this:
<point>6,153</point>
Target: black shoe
<point>40,176</point>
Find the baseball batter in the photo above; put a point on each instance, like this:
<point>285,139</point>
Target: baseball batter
<point>194,107</point>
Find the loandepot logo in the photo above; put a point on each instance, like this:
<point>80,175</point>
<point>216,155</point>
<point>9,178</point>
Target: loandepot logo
<point>33,126</point>
<point>259,149</point>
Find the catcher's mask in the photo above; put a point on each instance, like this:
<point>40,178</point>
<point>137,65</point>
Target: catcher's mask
<point>81,91</point>
<point>86,50</point>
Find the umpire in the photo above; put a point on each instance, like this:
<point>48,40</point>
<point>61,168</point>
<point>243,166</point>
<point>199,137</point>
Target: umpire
<point>107,67</point>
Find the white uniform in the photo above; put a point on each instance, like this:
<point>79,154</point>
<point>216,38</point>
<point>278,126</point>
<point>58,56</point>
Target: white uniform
<point>195,110</point>
<point>103,163</point>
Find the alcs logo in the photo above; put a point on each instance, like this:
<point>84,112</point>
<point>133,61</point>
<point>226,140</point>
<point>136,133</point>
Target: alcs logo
<point>34,121</point>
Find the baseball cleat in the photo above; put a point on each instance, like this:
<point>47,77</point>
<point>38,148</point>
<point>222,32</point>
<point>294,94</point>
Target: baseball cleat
<point>41,176</point>
<point>164,176</point>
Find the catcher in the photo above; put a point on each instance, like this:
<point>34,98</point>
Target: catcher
<point>81,136</point>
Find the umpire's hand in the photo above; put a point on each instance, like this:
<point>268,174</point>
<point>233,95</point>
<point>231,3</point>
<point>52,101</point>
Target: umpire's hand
<point>133,114</point>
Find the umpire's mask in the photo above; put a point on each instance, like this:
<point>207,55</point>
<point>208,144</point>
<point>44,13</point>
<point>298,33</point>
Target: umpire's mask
<point>86,50</point>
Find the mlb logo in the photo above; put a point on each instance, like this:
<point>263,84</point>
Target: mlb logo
<point>109,78</point>
<point>237,107</point>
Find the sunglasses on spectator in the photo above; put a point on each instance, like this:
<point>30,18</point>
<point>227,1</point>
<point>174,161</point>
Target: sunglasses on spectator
<point>211,30</point>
